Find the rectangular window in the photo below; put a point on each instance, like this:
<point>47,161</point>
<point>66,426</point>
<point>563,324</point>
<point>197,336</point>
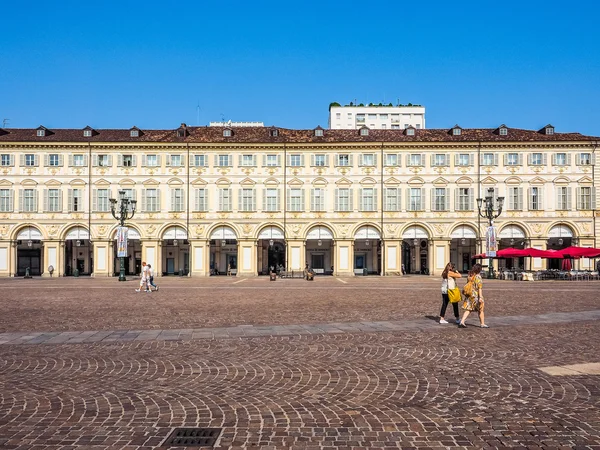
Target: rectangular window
<point>562,198</point>
<point>53,160</point>
<point>536,159</point>
<point>223,161</point>
<point>176,161</point>
<point>585,198</point>
<point>271,199</point>
<point>127,160</point>
<point>464,160</point>
<point>30,160</point>
<point>368,159</point>
<point>392,199</point>
<point>515,199</point>
<point>439,159</point>
<point>440,199</point>
<point>295,160</point>
<point>247,200</point>
<point>463,199</point>
<point>5,200</point>
<point>343,160</point>
<point>247,160</point>
<point>415,159</point>
<point>29,200</point>
<point>585,159</point>
<point>152,200</point>
<point>177,200</point>
<point>224,199</point>
<point>201,203</point>
<point>54,200</point>
<point>360,118</point>
<point>372,116</point>
<point>76,200</point>
<point>368,200</point>
<point>488,159</point>
<point>5,159</point>
<point>535,197</point>
<point>343,200</point>
<point>102,200</point>
<point>395,127</point>
<point>415,199</point>
<point>560,159</point>
<point>512,159</point>
<point>320,160</point>
<point>317,200</point>
<point>199,160</point>
<point>391,159</point>
<point>296,200</point>
<point>383,116</point>
<point>103,160</point>
<point>151,160</point>
<point>129,193</point>
<point>272,161</point>
<point>78,160</point>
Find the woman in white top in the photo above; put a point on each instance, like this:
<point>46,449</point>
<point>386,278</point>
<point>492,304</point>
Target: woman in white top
<point>449,276</point>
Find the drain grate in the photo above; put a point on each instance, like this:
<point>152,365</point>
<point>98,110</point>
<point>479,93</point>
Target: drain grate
<point>193,437</point>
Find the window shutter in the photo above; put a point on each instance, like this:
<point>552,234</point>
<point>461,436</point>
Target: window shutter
<point>471,159</point>
<point>95,160</point>
<point>144,161</point>
<point>471,199</point>
<point>173,199</point>
<point>511,199</point>
<point>288,161</point>
<point>94,200</point>
<point>143,206</point>
<point>554,159</point>
<point>541,198</point>
<point>197,200</point>
<point>361,199</point>
<point>302,202</point>
<point>351,199</point>
<point>240,160</point>
<point>119,160</point>
<point>529,159</point>
<point>46,160</point>
<point>70,160</point>
<point>21,204</point>
<point>556,193</point>
<point>277,199</point>
<point>312,199</point>
<point>337,199</point>
<point>264,200</point>
<point>110,159</point>
<point>481,159</point>
<point>216,160</point>
<point>11,160</point>
<point>60,200</point>
<point>302,160</point>
<point>433,160</point>
<point>288,197</point>
<point>423,199</point>
<point>569,200</point>
<point>433,196</point>
<point>505,157</point>
<point>520,198</point>
<point>22,160</point>
<point>544,159</point>
<point>85,160</point>
<point>35,200</point>
<point>375,204</point>
<point>11,194</point>
<point>351,160</point>
<point>36,160</point>
<point>192,161</point>
<point>593,198</point>
<point>568,159</point>
<point>579,198</point>
<point>422,161</point>
<point>167,161</point>
<point>45,205</point>
<point>239,199</point>
<point>578,159</point>
<point>158,200</point>
<point>456,199</point>
<point>70,200</point>
<point>447,197</point>
<point>495,159</point>
<point>264,159</point>
<point>158,160</point>
<point>447,160</point>
<point>456,159</point>
<point>278,160</point>
<point>326,160</point>
<point>360,159</point>
<point>312,160</point>
<point>134,161</point>
<point>398,199</point>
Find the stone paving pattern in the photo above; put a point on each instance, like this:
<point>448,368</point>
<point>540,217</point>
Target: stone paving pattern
<point>433,386</point>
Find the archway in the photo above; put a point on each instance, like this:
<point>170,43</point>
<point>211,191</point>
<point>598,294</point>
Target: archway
<point>78,252</point>
<point>560,236</point>
<point>367,251</point>
<point>463,246</point>
<point>29,250</point>
<point>319,250</point>
<point>223,251</point>
<point>133,260</point>
<point>175,251</point>
<point>512,236</point>
<point>415,250</point>
<point>271,250</point>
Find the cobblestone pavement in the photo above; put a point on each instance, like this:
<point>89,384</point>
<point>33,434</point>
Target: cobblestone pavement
<point>431,386</point>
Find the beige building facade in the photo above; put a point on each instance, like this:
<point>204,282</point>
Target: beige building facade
<point>212,200</point>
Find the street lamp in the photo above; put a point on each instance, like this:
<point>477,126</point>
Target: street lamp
<point>122,212</point>
<point>490,214</point>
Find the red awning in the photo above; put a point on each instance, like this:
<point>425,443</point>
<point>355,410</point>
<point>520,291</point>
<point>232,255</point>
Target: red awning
<point>579,252</point>
<point>537,253</point>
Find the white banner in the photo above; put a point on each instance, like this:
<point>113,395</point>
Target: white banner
<point>122,242</point>
<point>491,242</point>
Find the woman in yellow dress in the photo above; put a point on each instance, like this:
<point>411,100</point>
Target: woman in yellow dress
<point>474,301</point>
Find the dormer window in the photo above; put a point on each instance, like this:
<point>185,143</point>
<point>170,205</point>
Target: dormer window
<point>319,132</point>
<point>364,131</point>
<point>226,132</point>
<point>410,131</point>
<point>87,133</point>
<point>503,131</point>
<point>41,133</point>
<point>456,131</point>
<point>549,130</point>
<point>181,132</point>
<point>134,133</point>
<point>274,133</point>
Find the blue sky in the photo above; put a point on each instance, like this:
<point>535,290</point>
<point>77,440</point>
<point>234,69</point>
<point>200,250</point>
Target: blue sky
<point>117,64</point>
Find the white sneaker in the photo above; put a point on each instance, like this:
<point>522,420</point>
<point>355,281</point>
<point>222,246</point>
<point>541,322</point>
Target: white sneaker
<point>137,290</point>
<point>443,321</point>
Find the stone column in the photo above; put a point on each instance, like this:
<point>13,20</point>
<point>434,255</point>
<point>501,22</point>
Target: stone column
<point>296,255</point>
<point>393,256</point>
<point>152,254</point>
<point>199,257</point>
<point>247,258</point>
<point>102,257</point>
<point>51,251</point>
<point>344,258</point>
<point>441,256</point>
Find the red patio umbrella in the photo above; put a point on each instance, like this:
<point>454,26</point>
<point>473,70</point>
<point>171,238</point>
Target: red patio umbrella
<point>579,252</point>
<point>537,253</point>
<point>511,253</point>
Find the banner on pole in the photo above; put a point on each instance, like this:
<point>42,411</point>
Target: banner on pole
<point>122,242</point>
<point>491,242</point>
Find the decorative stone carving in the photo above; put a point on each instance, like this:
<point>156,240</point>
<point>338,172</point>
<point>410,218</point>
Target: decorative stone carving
<point>295,229</point>
<point>3,230</point>
<point>585,226</point>
<point>175,215</point>
<point>247,229</point>
<point>537,228</point>
<point>102,230</point>
<point>52,229</point>
<point>439,228</point>
<point>391,229</point>
<point>150,229</point>
<point>343,229</point>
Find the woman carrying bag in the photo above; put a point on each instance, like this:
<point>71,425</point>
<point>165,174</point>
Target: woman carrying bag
<point>450,292</point>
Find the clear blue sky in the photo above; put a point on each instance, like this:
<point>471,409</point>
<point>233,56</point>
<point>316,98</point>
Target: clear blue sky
<point>115,64</point>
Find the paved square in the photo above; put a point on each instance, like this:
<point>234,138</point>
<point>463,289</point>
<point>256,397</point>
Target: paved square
<point>89,363</point>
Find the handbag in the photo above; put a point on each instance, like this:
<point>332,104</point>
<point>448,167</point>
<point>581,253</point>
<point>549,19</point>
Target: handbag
<point>453,293</point>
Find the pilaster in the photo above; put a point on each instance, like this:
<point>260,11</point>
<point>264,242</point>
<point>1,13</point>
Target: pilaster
<point>392,249</point>
<point>296,254</point>
<point>247,258</point>
<point>102,253</point>
<point>199,257</point>
<point>344,258</point>
<point>439,256</point>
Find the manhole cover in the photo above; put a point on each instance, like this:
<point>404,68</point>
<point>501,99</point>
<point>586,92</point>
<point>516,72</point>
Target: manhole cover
<point>193,437</point>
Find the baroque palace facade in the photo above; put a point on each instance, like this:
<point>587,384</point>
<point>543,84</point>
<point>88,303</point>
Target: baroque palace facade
<point>345,202</point>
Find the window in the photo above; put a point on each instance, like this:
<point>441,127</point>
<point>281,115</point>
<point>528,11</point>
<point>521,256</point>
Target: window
<point>53,203</point>
<point>456,131</point>
<point>78,160</point>
<point>584,200</point>
<point>271,199</point>
<point>392,199</point>
<point>391,159</point>
<point>129,193</point>
<point>226,133</point>
<point>584,159</point>
<point>151,160</point>
<point>30,160</point>
<point>317,199</point>
<point>176,160</point>
<point>488,159</point>
<point>296,200</point>
<point>151,200</point>
<point>318,133</point>
<point>360,118</point>
<point>103,160</point>
<point>75,200</point>
<point>295,160</point>
<point>440,199</point>
<point>395,127</point>
<point>549,130</point>
<point>41,133</point>
<point>224,199</point>
<point>5,160</point>
<point>246,201</point>
<point>53,160</point>
<point>272,161</point>
<point>415,199</point>
<point>368,160</point>
<point>199,160</point>
<point>247,160</point>
<point>536,159</point>
<point>349,115</point>
<point>383,116</point>
<point>127,160</point>
<point>87,133</point>
<point>343,160</point>
<point>177,200</point>
<point>6,200</point>
<point>563,200</point>
<point>320,160</point>
<point>512,159</point>
<point>338,115</point>
<point>201,200</point>
<point>223,161</point>
<point>439,159</point>
<point>102,200</point>
<point>274,133</point>
<point>515,199</point>
<point>535,199</point>
<point>29,200</point>
<point>560,159</point>
<point>464,199</point>
<point>372,116</point>
<point>463,160</point>
<point>364,131</point>
<point>134,133</point>
<point>415,159</point>
<point>368,199</point>
<point>410,131</point>
<point>383,126</point>
<point>503,131</point>
<point>343,200</point>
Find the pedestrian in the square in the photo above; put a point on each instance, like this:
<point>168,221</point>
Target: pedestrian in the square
<point>144,279</point>
<point>449,276</point>
<point>474,301</point>
<point>151,278</point>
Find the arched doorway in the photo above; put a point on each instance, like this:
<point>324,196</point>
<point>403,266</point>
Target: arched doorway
<point>223,251</point>
<point>133,261</point>
<point>175,251</point>
<point>271,250</point>
<point>512,236</point>
<point>29,252</point>
<point>463,246</point>
<point>415,250</point>
<point>78,252</point>
<point>319,250</point>
<point>560,236</point>
<point>367,251</point>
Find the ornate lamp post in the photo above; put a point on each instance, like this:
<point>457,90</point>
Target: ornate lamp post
<point>487,211</point>
<point>124,211</point>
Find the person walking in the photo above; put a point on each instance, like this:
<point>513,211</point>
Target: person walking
<point>449,276</point>
<point>144,279</point>
<point>474,301</point>
<point>151,278</point>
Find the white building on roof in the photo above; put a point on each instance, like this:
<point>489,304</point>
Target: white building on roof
<point>376,117</point>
